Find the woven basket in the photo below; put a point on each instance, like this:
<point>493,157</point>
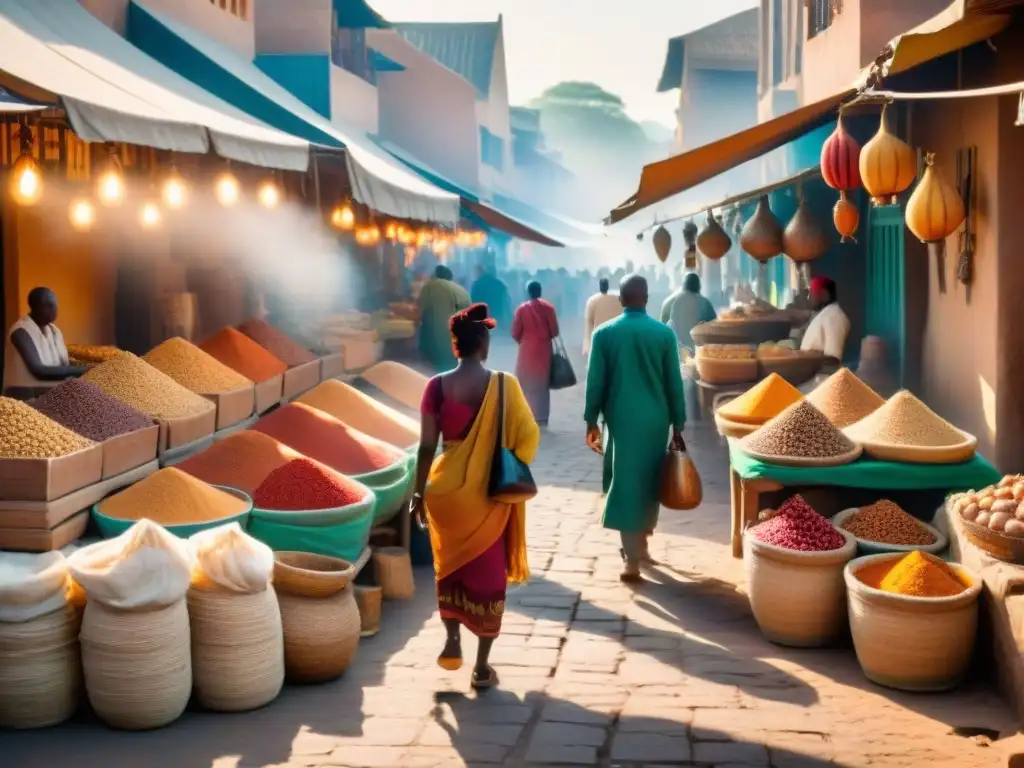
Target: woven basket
<point>321,635</point>
<point>947,454</point>
<point>727,428</point>
<point>796,369</point>
<point>394,573</point>
<point>369,600</point>
<point>867,547</point>
<point>40,670</point>
<point>309,575</point>
<point>799,461</point>
<point>912,643</point>
<point>715,371</point>
<point>741,331</point>
<point>1009,549</point>
<point>137,664</point>
<point>798,598</point>
<point>237,648</point>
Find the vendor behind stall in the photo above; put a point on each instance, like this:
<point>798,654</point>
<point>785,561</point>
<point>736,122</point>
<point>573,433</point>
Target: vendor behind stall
<point>35,357</point>
<point>828,329</point>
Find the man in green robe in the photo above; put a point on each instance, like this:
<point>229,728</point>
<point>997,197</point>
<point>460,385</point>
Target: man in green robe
<point>440,298</point>
<point>634,384</point>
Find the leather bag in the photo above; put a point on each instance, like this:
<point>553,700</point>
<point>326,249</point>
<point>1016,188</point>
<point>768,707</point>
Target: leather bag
<point>680,487</point>
<point>511,481</point>
<point>562,374</point>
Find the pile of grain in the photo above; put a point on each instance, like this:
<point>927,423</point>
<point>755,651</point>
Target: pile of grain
<point>305,484</point>
<point>194,369</point>
<point>279,344</point>
<point>89,354</point>
<point>886,523</point>
<point>25,433</point>
<point>800,431</point>
<point>397,381</point>
<point>172,497</point>
<point>765,400</point>
<point>798,526</point>
<point>242,354</point>
<point>905,420</point>
<point>242,460</point>
<point>845,399</point>
<point>362,412</point>
<point>138,384</point>
<point>86,409</point>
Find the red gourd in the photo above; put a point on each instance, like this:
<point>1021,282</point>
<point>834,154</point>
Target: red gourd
<point>840,159</point>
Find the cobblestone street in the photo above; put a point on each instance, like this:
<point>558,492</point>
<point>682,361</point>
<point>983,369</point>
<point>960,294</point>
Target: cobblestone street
<point>593,673</point>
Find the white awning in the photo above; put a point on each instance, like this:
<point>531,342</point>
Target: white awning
<point>10,103</point>
<point>112,91</point>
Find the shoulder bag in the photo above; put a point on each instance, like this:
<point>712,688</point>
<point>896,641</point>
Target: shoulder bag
<point>560,373</point>
<point>511,481</point>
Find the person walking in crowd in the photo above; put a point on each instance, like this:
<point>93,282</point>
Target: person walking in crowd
<point>600,308</point>
<point>634,385</point>
<point>534,328</point>
<point>489,289</point>
<point>479,544</point>
<point>685,308</point>
<point>439,299</point>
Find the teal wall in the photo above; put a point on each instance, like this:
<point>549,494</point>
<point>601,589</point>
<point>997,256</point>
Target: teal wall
<point>307,76</point>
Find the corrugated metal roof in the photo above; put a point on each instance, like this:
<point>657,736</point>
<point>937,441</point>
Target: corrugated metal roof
<point>465,48</point>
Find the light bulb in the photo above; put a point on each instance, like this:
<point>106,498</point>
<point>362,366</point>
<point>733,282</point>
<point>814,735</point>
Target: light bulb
<point>111,188</point>
<point>268,195</point>
<point>26,183</point>
<point>82,214</point>
<point>227,190</point>
<point>346,217</point>
<point>150,216</point>
<point>174,192</point>
<point>391,231</point>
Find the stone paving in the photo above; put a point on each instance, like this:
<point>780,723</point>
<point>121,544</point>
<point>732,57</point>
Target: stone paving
<point>593,673</point>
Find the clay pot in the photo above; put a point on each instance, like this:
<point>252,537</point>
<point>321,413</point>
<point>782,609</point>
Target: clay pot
<point>662,243</point>
<point>712,241</point>
<point>762,234</point>
<point>840,159</point>
<point>935,210</point>
<point>888,165</point>
<point>805,239</point>
<point>846,217</point>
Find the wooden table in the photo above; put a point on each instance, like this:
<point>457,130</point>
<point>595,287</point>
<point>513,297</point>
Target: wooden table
<point>746,504</point>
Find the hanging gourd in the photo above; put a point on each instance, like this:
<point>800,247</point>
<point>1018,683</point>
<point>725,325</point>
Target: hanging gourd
<point>935,210</point>
<point>712,241</point>
<point>840,159</point>
<point>762,234</point>
<point>804,239</point>
<point>888,165</point>
<point>662,243</point>
<point>690,238</point>
<point>846,217</point>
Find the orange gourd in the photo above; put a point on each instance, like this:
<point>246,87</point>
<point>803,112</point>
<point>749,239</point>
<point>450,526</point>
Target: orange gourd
<point>935,210</point>
<point>888,165</point>
<point>762,234</point>
<point>712,241</point>
<point>662,243</point>
<point>846,217</point>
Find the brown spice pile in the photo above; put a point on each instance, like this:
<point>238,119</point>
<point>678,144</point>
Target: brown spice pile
<point>800,431</point>
<point>905,420</point>
<point>886,523</point>
<point>845,399</point>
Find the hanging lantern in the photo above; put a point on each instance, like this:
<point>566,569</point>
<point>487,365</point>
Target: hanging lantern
<point>888,165</point>
<point>26,177</point>
<point>268,194</point>
<point>662,243</point>
<point>935,210</point>
<point>690,238</point>
<point>840,159</point>
<point>110,186</point>
<point>712,241</point>
<point>762,234</point>
<point>227,189</point>
<point>846,217</point>
<point>175,192</point>
<point>391,231</point>
<point>804,239</point>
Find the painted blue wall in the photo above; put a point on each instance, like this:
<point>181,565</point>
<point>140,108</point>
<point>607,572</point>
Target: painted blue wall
<point>307,76</point>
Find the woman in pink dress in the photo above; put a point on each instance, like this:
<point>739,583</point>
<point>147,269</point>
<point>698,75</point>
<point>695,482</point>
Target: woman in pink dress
<point>534,327</point>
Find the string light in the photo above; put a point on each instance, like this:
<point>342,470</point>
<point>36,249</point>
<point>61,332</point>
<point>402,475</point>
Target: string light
<point>174,192</point>
<point>150,216</point>
<point>423,237</point>
<point>391,231</point>
<point>111,182</point>
<point>227,190</point>
<point>368,235</point>
<point>463,239</point>
<point>406,236</point>
<point>440,246</point>
<point>268,194</point>
<point>346,217</point>
<point>82,214</point>
<point>26,181</point>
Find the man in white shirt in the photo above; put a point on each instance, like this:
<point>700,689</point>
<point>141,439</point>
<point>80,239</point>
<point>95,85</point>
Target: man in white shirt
<point>600,308</point>
<point>35,356</point>
<point>829,327</point>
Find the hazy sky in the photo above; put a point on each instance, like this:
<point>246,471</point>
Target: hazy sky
<point>619,44</point>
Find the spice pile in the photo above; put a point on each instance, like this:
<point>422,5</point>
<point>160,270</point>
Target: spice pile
<point>304,484</point>
<point>905,420</point>
<point>240,353</point>
<point>999,508</point>
<point>799,432</point>
<point>845,399</point>
<point>138,384</point>
<point>397,381</point>
<point>797,526</point>
<point>726,351</point>
<point>886,523</point>
<point>172,497</point>
<point>767,399</point>
<point>322,437</point>
<point>25,433</point>
<point>279,344</point>
<point>242,460</point>
<point>916,574</point>
<point>362,412</point>
<point>89,354</point>
<point>86,409</point>
<point>194,369</point>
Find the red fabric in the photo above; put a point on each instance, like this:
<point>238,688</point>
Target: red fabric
<point>820,283</point>
<point>455,419</point>
<point>475,594</point>
<point>534,327</point>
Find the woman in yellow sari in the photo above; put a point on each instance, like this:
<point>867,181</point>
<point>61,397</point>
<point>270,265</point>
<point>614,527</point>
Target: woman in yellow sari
<point>479,544</point>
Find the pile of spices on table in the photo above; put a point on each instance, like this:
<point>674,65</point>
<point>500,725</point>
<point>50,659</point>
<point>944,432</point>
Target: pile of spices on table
<point>87,410</point>
<point>188,365</point>
<point>397,381</point>
<point>905,420</point>
<point>242,460</point>
<point>916,574</point>
<point>797,526</point>
<point>89,354</point>
<point>886,523</point>
<point>240,353</point>
<point>172,497</point>
<point>845,399</point>
<point>279,344</point>
<point>305,484</point>
<point>315,434</point>
<point>765,400</point>
<point>362,412</point>
<point>25,433</point>
<point>138,384</point>
<point>800,431</point>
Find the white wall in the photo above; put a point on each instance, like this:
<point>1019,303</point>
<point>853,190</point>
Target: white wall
<point>354,100</point>
<point>293,26</point>
<point>493,114</point>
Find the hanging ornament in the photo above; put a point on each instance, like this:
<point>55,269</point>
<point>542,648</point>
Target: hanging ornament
<point>888,165</point>
<point>662,243</point>
<point>762,234</point>
<point>840,159</point>
<point>846,217</point>
<point>804,239</point>
<point>712,241</point>
<point>935,210</point>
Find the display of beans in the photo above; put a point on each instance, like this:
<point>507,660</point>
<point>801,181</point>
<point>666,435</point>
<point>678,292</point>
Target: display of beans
<point>86,409</point>
<point>138,384</point>
<point>800,431</point>
<point>194,369</point>
<point>886,523</point>
<point>25,433</point>
<point>797,526</point>
<point>845,399</point>
<point>905,420</point>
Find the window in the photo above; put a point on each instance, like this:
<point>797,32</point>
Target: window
<point>492,150</point>
<point>778,44</point>
<point>820,14</point>
<point>349,51</point>
<point>239,8</point>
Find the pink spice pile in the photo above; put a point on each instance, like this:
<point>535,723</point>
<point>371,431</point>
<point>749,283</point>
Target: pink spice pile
<point>798,526</point>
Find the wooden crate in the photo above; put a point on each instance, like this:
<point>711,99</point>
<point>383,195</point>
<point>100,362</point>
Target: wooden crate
<point>48,479</point>
<point>233,407</point>
<point>125,452</point>
<point>175,433</point>
<point>268,393</point>
<point>300,379</point>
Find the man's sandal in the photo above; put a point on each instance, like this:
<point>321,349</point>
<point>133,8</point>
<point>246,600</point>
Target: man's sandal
<point>482,684</point>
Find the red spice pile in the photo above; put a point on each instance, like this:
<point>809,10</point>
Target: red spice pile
<point>306,484</point>
<point>320,436</point>
<point>279,344</point>
<point>797,526</point>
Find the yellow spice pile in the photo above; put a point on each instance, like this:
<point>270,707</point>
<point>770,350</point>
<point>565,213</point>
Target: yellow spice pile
<point>193,368</point>
<point>138,384</point>
<point>25,433</point>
